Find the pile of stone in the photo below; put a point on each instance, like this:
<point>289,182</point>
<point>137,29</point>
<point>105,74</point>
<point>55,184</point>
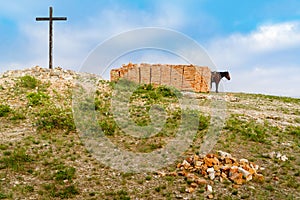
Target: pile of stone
<point>59,79</point>
<point>42,73</point>
<point>219,167</point>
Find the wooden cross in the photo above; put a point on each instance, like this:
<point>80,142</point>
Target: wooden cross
<point>50,19</point>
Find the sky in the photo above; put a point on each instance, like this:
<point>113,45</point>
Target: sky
<point>257,41</point>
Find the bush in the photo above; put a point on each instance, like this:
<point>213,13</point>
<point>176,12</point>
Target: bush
<point>293,130</point>
<point>37,98</point>
<point>3,196</point>
<point>108,126</point>
<point>17,116</point>
<point>15,160</point>
<point>67,192</point>
<point>4,110</point>
<point>28,82</point>
<point>55,118</point>
<point>62,193</point>
<point>249,129</point>
<point>168,91</point>
<point>66,173</point>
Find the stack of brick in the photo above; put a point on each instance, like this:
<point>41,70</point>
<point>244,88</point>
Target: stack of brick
<point>203,170</point>
<point>218,167</point>
<point>183,77</point>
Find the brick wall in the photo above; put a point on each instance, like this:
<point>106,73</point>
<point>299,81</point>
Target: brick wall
<point>182,77</point>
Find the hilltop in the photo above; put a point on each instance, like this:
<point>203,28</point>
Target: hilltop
<point>43,157</point>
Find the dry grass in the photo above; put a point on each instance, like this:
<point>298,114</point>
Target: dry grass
<point>42,156</point>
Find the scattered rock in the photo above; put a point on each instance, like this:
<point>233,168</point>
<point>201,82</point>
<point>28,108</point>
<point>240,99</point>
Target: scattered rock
<point>194,185</point>
<point>287,144</point>
<point>223,154</point>
<point>251,187</point>
<point>190,189</point>
<point>211,173</point>
<point>275,155</point>
<point>201,181</point>
<point>236,186</point>
<point>284,158</point>
<point>259,177</point>
<point>209,188</point>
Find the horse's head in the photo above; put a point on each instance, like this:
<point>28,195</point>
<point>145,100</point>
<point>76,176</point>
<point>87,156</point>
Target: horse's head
<point>227,75</point>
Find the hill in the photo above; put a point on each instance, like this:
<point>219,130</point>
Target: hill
<point>43,156</point>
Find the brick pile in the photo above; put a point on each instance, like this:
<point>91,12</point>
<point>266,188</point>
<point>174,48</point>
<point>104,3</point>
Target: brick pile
<point>213,167</point>
<point>183,77</point>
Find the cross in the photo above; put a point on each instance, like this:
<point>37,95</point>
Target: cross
<point>50,19</point>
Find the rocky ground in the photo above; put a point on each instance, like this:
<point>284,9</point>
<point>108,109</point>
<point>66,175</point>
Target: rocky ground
<point>44,156</point>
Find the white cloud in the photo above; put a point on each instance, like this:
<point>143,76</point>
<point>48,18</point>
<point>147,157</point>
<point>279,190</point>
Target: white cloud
<point>276,81</point>
<point>263,61</point>
<point>74,41</point>
<point>238,49</point>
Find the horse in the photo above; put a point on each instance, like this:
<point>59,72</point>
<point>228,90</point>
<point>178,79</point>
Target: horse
<point>217,76</point>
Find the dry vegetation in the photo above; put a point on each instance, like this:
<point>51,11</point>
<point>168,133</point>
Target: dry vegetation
<point>43,157</point>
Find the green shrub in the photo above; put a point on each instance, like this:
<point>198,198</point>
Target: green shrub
<point>67,192</point>
<point>62,193</point>
<point>3,147</point>
<point>293,130</point>
<point>28,82</point>
<point>3,196</point>
<point>4,110</point>
<point>37,98</point>
<point>55,118</point>
<point>203,122</point>
<point>108,126</point>
<point>148,91</point>
<point>29,188</point>
<point>66,173</point>
<point>122,195</point>
<point>15,160</point>
<point>18,116</point>
<point>249,129</point>
<point>166,91</point>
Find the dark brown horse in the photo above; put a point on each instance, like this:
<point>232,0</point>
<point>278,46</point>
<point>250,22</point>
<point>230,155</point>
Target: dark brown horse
<point>217,76</point>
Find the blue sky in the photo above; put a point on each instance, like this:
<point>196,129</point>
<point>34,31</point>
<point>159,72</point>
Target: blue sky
<point>258,41</point>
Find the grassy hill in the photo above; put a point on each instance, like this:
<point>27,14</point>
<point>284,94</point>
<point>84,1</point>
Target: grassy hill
<point>42,155</point>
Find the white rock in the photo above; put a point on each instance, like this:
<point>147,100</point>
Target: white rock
<point>209,188</point>
<point>278,155</point>
<point>224,154</point>
<point>284,158</point>
<point>247,175</point>
<point>286,144</point>
<point>211,173</point>
<point>244,160</point>
<point>212,176</point>
<point>210,170</point>
<point>252,187</point>
<point>272,154</point>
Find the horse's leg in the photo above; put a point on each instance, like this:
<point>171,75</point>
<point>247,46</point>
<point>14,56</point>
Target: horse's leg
<point>217,86</point>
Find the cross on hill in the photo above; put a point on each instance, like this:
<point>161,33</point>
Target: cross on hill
<point>51,19</point>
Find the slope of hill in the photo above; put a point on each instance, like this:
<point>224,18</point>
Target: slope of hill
<point>43,157</point>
